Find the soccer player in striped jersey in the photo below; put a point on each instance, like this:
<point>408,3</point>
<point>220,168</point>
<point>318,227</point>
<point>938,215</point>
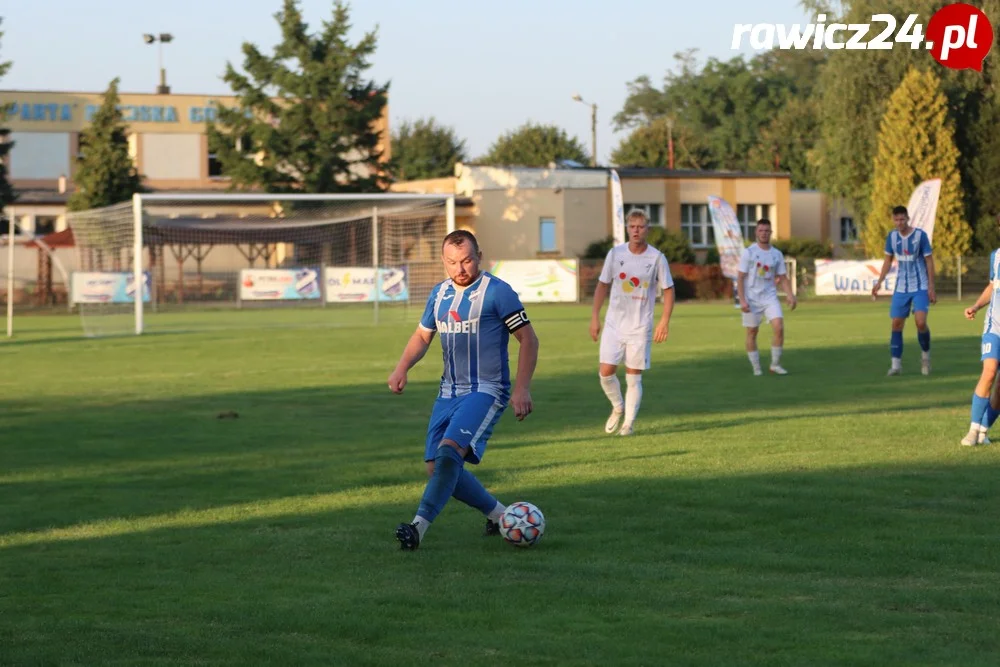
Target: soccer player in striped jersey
<point>914,287</point>
<point>475,314</point>
<point>984,411</point>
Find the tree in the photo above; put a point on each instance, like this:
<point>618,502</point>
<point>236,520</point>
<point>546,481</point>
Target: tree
<point>916,142</point>
<point>6,192</point>
<point>856,86</point>
<point>105,173</point>
<point>534,145</point>
<point>787,143</point>
<point>721,110</point>
<point>424,149</point>
<point>306,113</point>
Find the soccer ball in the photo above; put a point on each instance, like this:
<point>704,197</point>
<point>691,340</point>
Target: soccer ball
<point>522,524</point>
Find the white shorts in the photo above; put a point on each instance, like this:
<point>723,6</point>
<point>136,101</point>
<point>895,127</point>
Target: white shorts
<point>634,349</point>
<point>767,310</point>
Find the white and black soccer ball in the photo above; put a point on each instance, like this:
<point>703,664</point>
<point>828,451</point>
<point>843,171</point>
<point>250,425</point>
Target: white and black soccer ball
<point>522,524</point>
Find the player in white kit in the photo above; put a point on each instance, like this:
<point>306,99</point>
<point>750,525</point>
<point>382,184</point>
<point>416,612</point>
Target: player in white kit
<point>762,266</point>
<point>984,411</point>
<point>633,272</point>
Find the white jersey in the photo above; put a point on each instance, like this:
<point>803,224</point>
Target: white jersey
<point>635,281</point>
<point>762,267</point>
<point>992,323</point>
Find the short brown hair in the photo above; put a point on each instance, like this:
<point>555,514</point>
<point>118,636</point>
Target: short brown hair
<point>460,236</point>
<point>764,221</point>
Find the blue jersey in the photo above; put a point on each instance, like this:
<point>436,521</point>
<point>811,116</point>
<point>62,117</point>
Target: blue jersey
<point>992,323</point>
<point>475,324</point>
<point>911,252</point>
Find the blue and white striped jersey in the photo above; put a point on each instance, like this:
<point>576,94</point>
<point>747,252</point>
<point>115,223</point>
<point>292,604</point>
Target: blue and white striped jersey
<point>910,252</point>
<point>475,324</point>
<point>992,323</point>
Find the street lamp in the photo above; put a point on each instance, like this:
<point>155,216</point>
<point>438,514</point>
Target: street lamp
<point>593,128</point>
<point>162,38</point>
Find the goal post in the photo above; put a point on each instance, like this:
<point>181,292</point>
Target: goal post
<point>174,260</point>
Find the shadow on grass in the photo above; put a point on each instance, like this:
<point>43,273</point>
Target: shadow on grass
<point>866,565</point>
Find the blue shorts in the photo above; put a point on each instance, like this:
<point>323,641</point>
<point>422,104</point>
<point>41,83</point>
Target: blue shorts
<point>901,302</point>
<point>990,347</point>
<point>467,420</point>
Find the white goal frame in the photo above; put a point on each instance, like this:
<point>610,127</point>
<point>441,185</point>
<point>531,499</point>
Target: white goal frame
<point>139,200</point>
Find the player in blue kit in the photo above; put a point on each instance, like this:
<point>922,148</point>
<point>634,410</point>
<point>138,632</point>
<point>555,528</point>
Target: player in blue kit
<point>984,398</point>
<point>914,287</point>
<point>475,313</point>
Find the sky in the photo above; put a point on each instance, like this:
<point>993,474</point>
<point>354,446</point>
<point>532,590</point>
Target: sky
<point>481,68</point>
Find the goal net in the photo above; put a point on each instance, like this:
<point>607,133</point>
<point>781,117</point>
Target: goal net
<point>218,260</point>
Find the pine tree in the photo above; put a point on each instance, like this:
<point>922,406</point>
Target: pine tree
<point>916,143</point>
<point>6,192</point>
<point>306,114</point>
<point>105,174</point>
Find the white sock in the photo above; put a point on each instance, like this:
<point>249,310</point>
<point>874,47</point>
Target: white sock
<point>633,397</point>
<point>613,390</point>
<point>925,355</point>
<point>897,363</point>
<point>754,359</point>
<point>422,525</point>
<point>497,512</point>
<point>775,355</point>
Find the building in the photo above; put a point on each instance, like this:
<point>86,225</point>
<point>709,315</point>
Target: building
<point>528,213</point>
<point>167,141</point>
<point>816,215</point>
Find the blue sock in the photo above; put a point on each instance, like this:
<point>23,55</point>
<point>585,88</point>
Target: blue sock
<point>470,491</point>
<point>896,344</point>
<point>447,469</point>
<point>991,416</point>
<point>980,404</point>
<point>924,338</point>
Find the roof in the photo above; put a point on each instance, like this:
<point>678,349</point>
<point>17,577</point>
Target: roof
<point>63,239</point>
<point>662,172</point>
<point>39,197</point>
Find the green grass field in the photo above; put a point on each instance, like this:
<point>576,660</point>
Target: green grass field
<point>829,517</point>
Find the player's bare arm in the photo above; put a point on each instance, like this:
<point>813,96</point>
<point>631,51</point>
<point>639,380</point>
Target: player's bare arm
<point>786,285</point>
<point>981,302</point>
<point>414,351</point>
<point>741,288</point>
<point>527,359</point>
<point>663,328</point>
<point>600,294</point>
<point>886,265</point>
<point>931,292</point>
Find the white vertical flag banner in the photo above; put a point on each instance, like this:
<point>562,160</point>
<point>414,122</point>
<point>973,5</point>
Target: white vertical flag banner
<point>922,206</point>
<point>728,235</point>
<point>617,210</point>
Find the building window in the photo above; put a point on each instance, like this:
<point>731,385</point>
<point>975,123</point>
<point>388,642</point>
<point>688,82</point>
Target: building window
<point>547,235</point>
<point>214,166</point>
<point>848,232</point>
<point>696,225</point>
<point>243,145</point>
<point>748,215</point>
<point>653,211</point>
<point>45,224</point>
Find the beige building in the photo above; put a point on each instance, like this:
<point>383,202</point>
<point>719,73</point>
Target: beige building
<point>816,215</point>
<point>526,213</point>
<point>167,141</point>
<point>678,200</point>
